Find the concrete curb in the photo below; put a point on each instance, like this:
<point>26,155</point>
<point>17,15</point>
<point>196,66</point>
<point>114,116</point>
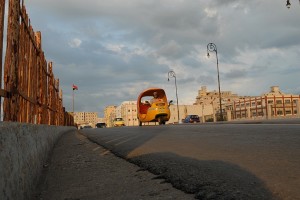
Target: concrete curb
<point>24,149</point>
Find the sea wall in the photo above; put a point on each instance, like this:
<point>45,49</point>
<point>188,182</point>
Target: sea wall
<point>24,150</point>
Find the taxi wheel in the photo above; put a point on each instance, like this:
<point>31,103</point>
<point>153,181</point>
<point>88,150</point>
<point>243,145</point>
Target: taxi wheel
<point>161,121</point>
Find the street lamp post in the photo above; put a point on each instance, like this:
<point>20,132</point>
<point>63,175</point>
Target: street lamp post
<point>212,47</point>
<point>172,74</point>
<point>288,4</point>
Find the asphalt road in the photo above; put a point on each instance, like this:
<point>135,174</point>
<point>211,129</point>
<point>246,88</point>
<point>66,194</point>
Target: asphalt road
<point>214,161</point>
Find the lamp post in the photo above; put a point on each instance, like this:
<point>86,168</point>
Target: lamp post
<point>173,75</point>
<point>288,4</point>
<point>212,47</point>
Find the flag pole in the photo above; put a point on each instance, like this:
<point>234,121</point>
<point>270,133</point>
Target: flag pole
<point>73,101</point>
<point>74,87</point>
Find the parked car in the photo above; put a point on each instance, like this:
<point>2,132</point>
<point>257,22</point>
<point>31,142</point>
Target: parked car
<point>192,119</point>
<point>100,125</point>
<point>85,126</point>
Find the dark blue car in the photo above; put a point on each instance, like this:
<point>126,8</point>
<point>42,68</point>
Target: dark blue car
<point>192,119</point>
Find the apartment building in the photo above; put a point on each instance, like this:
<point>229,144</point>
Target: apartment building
<point>128,111</point>
<point>89,118</point>
<point>212,97</point>
<point>109,115</point>
<point>210,102</point>
<point>273,104</point>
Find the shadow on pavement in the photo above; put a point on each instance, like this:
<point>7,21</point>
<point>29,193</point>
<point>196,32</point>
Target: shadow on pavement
<point>207,179</point>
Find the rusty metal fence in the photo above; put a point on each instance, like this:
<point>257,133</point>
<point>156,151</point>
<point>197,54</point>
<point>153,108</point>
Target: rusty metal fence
<point>31,92</point>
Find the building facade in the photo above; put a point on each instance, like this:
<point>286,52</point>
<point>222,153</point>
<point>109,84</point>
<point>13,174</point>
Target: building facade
<point>210,103</point>
<point>205,113</point>
<point>85,118</point>
<point>109,115</point>
<point>212,97</point>
<point>271,105</point>
<point>129,113</point>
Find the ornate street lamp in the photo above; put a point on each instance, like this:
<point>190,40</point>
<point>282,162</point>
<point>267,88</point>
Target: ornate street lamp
<point>288,4</point>
<point>212,47</point>
<point>173,75</point>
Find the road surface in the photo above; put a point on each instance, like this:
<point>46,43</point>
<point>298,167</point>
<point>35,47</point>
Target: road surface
<point>214,161</point>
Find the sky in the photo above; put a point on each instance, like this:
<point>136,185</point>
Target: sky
<point>114,49</point>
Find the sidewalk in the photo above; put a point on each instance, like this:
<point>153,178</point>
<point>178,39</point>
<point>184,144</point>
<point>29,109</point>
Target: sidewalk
<point>81,170</point>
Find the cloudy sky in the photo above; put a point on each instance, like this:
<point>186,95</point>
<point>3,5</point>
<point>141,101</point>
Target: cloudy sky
<point>114,49</point>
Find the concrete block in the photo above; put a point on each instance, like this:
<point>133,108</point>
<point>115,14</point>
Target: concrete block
<point>24,149</point>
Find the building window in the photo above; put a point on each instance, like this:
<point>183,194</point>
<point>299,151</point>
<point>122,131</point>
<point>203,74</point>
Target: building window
<point>288,112</point>
<point>278,102</point>
<point>270,101</point>
<point>279,112</point>
<point>287,101</point>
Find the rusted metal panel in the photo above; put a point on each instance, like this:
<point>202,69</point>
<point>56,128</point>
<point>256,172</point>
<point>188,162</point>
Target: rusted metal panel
<point>31,92</point>
<point>3,93</point>
<point>2,12</point>
<point>11,105</point>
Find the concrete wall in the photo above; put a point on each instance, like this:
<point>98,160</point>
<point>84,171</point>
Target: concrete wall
<point>24,149</point>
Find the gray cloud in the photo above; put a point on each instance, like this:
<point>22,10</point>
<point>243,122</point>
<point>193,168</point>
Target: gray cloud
<point>114,49</point>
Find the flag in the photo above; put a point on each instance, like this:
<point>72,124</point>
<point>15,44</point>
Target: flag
<point>75,87</point>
